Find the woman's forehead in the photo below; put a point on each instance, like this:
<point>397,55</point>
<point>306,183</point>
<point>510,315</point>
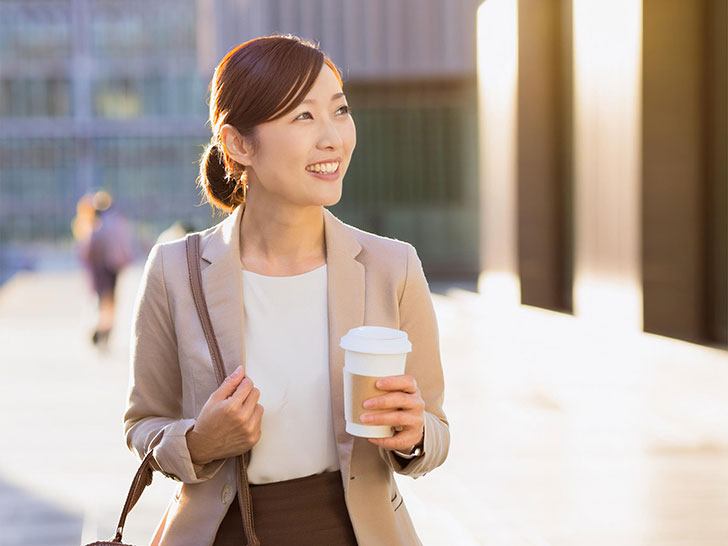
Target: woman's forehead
<point>325,89</point>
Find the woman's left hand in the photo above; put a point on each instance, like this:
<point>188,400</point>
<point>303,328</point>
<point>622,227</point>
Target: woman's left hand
<point>407,412</point>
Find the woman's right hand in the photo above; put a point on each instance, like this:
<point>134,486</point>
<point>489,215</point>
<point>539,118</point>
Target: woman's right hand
<point>229,422</point>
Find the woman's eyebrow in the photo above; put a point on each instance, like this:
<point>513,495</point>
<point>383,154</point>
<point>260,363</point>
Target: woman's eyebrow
<point>338,95</point>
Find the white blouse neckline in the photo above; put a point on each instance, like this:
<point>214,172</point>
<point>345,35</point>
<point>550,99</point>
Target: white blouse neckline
<point>245,271</point>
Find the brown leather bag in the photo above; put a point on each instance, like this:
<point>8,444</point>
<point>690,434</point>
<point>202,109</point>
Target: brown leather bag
<point>143,477</point>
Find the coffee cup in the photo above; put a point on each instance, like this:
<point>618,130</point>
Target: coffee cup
<point>371,352</point>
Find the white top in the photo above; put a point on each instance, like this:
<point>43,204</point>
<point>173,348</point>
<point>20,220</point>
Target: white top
<point>287,358</point>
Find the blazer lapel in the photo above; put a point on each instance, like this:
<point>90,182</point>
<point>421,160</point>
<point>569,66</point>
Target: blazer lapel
<point>222,283</point>
<point>345,293</point>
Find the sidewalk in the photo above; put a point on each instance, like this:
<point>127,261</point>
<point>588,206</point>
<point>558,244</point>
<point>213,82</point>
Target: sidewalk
<point>562,433</point>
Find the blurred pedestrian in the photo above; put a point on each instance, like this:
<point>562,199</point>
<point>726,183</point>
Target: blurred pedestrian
<point>105,248</point>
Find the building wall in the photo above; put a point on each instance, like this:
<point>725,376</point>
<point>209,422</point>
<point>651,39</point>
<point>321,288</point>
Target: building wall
<point>373,40</point>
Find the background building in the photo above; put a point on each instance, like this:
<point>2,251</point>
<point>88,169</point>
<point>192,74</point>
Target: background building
<point>98,93</point>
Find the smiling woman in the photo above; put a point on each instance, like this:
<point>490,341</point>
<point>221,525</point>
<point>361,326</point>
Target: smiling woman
<point>284,280</point>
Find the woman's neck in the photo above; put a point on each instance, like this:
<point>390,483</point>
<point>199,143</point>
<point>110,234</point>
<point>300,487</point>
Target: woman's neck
<point>282,239</point>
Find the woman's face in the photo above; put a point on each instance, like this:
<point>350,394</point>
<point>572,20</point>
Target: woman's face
<point>318,131</point>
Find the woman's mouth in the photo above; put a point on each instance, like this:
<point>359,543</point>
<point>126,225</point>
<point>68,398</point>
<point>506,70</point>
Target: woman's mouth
<point>325,171</point>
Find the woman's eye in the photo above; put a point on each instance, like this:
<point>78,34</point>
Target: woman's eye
<point>346,108</point>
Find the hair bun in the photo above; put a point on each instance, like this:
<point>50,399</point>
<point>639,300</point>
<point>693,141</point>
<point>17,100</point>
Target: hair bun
<point>214,162</point>
<point>213,182</point>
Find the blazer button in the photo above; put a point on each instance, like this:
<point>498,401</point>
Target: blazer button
<point>227,494</point>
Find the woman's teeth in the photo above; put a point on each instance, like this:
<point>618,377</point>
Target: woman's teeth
<point>325,168</point>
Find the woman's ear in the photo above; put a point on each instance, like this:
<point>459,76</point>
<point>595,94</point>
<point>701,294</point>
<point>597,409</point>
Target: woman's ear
<point>237,146</point>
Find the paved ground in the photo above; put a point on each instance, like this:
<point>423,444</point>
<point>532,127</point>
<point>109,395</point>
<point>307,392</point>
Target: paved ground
<point>563,433</point>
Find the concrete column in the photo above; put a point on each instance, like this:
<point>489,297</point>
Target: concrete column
<point>607,171</point>
<point>685,159</point>
<point>497,65</point>
<point>717,118</point>
<point>544,153</point>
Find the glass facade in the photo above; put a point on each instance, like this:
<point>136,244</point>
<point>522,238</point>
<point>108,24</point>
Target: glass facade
<point>35,30</point>
<point>153,179</point>
<point>413,175</point>
<point>98,94</point>
<point>36,198</point>
<point>26,97</point>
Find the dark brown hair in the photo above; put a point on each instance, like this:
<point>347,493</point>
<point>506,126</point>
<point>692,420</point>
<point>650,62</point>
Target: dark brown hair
<point>260,80</point>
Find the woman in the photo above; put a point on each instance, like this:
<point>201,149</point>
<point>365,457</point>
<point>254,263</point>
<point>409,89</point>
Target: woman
<point>284,281</point>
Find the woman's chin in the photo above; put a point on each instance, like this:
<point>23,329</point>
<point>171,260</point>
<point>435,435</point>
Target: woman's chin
<point>331,202</point>
<point>331,197</point>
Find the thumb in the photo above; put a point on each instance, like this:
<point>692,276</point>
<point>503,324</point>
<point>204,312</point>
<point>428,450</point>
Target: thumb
<point>230,384</point>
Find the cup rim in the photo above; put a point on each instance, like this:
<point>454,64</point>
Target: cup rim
<point>376,340</point>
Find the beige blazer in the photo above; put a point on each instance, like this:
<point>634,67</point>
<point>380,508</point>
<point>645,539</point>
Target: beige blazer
<point>372,280</point>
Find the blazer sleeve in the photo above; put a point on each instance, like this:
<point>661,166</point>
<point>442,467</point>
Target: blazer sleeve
<point>154,400</point>
<point>418,319</point>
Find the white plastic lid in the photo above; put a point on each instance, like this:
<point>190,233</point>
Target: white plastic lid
<point>377,340</point>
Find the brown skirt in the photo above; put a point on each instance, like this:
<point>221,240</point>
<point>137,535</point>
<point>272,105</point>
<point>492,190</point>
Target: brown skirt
<point>305,511</point>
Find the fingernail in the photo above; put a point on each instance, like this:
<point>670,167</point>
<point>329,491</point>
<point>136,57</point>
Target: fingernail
<point>366,417</point>
<point>238,370</point>
<point>367,403</point>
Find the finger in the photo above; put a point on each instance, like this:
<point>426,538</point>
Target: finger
<point>255,416</point>
<point>241,392</point>
<point>404,383</point>
<point>249,405</point>
<point>391,400</point>
<point>400,441</point>
<point>229,385</point>
<point>403,418</point>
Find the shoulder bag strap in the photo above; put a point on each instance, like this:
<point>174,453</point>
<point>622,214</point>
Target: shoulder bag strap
<point>193,264</point>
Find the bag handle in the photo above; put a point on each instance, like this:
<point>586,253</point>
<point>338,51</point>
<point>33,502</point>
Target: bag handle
<point>142,479</point>
<point>192,241</point>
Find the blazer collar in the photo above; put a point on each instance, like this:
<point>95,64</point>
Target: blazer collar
<point>222,282</point>
<point>224,240</point>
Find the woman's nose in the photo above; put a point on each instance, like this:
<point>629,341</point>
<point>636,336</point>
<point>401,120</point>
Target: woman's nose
<point>330,136</point>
